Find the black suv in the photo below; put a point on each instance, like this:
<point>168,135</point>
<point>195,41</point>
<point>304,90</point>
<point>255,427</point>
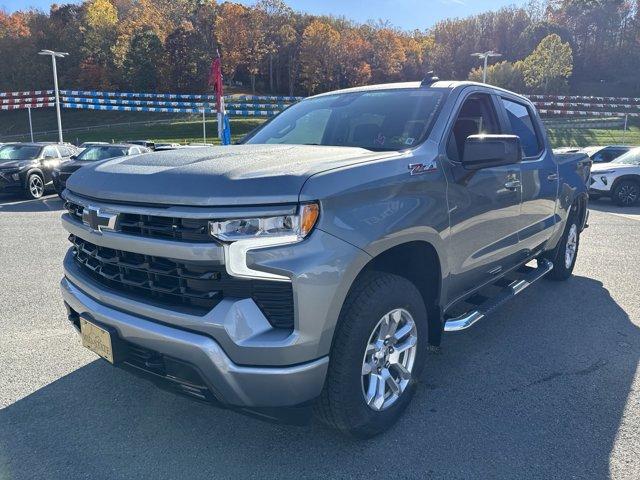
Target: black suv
<point>92,153</point>
<point>27,167</point>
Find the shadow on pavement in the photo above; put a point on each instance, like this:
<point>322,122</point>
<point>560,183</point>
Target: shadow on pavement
<point>16,204</point>
<point>535,391</point>
<point>606,205</point>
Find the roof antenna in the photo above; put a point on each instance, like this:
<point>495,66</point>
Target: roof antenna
<point>429,80</point>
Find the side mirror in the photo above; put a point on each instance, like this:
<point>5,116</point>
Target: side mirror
<point>73,157</point>
<point>50,157</point>
<point>486,151</point>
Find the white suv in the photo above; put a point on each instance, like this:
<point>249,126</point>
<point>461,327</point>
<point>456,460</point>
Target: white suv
<point>619,179</point>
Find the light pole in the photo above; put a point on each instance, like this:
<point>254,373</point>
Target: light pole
<point>55,84</point>
<point>485,56</point>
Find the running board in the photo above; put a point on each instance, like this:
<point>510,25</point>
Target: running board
<point>488,306</point>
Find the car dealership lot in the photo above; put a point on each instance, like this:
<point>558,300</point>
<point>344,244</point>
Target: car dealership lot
<point>547,388</point>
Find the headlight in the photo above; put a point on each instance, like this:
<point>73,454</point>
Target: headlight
<point>287,228</point>
<point>245,234</point>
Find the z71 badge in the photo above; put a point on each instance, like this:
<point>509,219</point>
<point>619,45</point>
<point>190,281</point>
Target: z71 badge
<point>420,168</point>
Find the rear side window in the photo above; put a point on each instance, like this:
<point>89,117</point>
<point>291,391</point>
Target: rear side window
<point>522,125</point>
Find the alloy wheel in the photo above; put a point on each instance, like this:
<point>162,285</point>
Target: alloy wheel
<point>388,359</point>
<point>629,193</point>
<point>572,246</point>
<point>36,186</point>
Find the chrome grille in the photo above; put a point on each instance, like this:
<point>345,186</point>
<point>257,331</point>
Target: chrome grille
<point>155,226</point>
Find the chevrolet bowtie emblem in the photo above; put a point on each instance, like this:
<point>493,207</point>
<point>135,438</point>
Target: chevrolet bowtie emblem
<point>97,220</point>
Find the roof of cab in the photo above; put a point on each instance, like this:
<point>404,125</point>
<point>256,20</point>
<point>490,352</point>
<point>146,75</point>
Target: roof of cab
<point>440,84</point>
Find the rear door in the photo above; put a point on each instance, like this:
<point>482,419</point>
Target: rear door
<point>484,205</point>
<point>540,178</point>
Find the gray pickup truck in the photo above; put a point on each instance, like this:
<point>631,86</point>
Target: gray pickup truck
<point>315,265</point>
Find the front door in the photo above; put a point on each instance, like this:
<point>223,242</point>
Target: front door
<point>484,205</point>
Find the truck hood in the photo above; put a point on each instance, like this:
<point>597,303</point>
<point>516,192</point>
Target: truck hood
<point>209,176</point>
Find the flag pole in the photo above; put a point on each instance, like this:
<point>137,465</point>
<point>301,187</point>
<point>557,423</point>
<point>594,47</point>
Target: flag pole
<point>204,124</point>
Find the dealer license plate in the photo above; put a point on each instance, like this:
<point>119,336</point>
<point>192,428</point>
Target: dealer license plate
<point>96,339</point>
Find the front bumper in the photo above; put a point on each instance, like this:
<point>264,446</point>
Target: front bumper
<point>230,383</point>
<point>8,184</point>
<point>600,184</point>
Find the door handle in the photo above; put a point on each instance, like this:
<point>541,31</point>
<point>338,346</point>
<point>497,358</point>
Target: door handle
<point>512,185</point>
<point>552,177</point>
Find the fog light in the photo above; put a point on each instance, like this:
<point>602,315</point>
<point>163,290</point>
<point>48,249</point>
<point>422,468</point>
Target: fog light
<point>15,176</point>
<point>604,180</point>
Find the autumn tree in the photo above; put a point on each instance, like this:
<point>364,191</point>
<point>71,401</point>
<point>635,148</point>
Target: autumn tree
<point>388,55</point>
<point>231,32</point>
<point>503,74</point>
<point>318,51</point>
<point>142,61</point>
<point>100,20</point>
<point>187,64</point>
<point>354,52</point>
<point>256,47</point>
<point>549,66</point>
<point>277,16</point>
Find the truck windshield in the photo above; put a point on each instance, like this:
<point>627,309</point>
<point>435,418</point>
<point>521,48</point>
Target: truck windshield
<point>376,120</point>
<point>19,152</point>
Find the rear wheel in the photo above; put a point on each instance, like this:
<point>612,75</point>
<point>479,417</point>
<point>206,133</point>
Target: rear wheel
<point>35,186</point>
<point>626,193</point>
<point>379,350</point>
<point>566,252</point>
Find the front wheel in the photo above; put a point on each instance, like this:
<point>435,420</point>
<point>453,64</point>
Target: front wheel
<point>626,193</point>
<point>378,352</point>
<point>35,186</point>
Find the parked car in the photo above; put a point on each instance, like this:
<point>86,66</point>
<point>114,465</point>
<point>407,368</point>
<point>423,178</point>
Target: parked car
<point>93,153</point>
<point>167,145</point>
<point>27,167</point>
<point>561,150</point>
<point>619,180</point>
<point>314,264</point>
<point>84,145</point>
<point>606,154</point>
<point>150,144</point>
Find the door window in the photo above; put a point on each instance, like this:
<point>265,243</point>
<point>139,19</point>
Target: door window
<point>607,155</point>
<point>523,126</point>
<point>477,116</point>
<point>50,152</point>
<point>65,151</point>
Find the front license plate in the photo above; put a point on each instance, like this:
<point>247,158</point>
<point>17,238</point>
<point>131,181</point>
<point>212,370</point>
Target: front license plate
<point>96,339</point>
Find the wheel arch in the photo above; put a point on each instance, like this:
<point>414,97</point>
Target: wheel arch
<point>419,262</point>
<point>629,176</point>
<point>30,172</point>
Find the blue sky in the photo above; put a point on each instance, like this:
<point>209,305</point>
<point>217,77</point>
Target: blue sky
<point>406,14</point>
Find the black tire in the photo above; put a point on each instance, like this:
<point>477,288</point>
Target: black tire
<point>342,404</point>
<point>626,193</point>
<point>561,269</point>
<point>31,191</point>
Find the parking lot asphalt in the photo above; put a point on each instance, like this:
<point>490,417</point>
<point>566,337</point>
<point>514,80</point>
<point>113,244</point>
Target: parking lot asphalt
<point>549,387</point>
